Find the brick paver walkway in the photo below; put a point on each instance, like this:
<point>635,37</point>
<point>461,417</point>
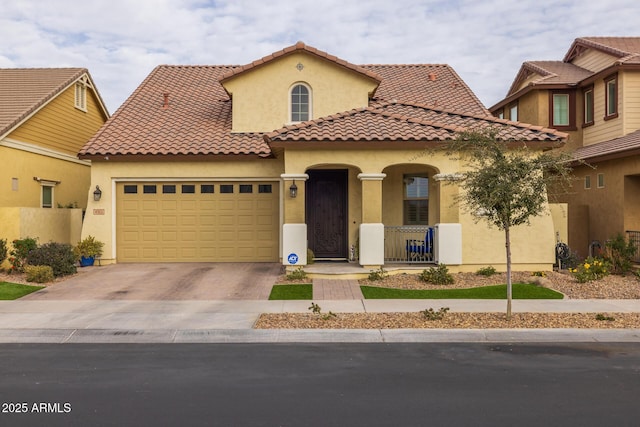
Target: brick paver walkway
<point>334,289</point>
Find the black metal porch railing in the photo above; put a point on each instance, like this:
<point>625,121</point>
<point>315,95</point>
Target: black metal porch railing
<point>411,244</point>
<point>634,237</point>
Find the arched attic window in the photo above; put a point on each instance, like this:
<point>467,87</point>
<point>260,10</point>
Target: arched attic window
<point>300,105</point>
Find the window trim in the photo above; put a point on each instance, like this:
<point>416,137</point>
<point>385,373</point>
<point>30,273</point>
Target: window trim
<point>600,179</point>
<point>571,102</point>
<point>51,187</point>
<point>80,95</point>
<point>512,106</point>
<point>586,108</point>
<point>611,79</point>
<point>405,199</point>
<point>587,182</point>
<point>310,102</point>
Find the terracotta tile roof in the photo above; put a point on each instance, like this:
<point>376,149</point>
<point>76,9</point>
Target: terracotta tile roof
<point>24,90</point>
<point>625,48</point>
<point>299,47</point>
<point>196,121</point>
<point>551,73</point>
<point>437,85</point>
<point>618,147</point>
<point>393,121</point>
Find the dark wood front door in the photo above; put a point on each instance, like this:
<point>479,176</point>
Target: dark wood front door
<point>326,210</point>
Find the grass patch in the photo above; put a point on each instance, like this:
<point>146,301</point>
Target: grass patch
<point>520,291</point>
<point>280,292</point>
<point>11,291</point>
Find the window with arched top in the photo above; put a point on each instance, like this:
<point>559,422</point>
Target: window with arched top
<point>300,103</point>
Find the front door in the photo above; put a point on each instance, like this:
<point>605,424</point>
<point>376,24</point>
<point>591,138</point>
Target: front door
<point>326,210</point>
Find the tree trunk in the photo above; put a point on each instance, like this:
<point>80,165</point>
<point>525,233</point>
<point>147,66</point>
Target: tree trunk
<point>507,239</point>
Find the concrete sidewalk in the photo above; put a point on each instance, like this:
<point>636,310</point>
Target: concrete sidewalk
<point>130,321</point>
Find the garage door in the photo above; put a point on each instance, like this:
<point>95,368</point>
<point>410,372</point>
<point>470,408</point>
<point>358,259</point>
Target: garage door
<point>197,222</point>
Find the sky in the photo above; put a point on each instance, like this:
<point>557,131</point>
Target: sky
<point>121,41</point>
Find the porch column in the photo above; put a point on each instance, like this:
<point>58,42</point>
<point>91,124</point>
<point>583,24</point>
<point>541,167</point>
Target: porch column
<point>294,229</point>
<point>372,229</point>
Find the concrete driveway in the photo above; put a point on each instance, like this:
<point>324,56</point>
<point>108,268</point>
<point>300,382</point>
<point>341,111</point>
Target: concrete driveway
<point>166,281</point>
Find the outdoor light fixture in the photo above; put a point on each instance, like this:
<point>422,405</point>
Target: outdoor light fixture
<point>293,190</point>
<point>97,194</point>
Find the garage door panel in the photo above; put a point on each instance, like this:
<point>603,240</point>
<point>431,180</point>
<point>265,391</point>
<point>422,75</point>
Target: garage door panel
<point>150,236</point>
<point>197,226</point>
<point>169,220</point>
<point>149,221</point>
<point>245,220</point>
<point>169,236</point>
<point>188,220</point>
<point>130,221</point>
<point>226,220</point>
<point>150,205</point>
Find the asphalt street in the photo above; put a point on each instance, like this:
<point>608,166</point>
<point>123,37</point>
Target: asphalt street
<point>349,384</point>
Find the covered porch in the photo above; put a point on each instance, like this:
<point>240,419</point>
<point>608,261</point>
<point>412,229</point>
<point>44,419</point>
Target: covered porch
<point>353,222</point>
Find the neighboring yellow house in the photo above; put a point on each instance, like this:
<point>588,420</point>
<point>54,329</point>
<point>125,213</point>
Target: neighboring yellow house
<point>593,94</point>
<point>298,150</point>
<point>46,116</point>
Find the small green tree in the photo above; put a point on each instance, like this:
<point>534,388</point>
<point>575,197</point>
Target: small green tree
<point>505,182</point>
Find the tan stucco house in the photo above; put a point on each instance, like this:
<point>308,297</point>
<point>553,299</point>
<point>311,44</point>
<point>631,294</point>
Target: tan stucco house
<point>297,150</point>
<point>593,94</point>
<point>46,116</point>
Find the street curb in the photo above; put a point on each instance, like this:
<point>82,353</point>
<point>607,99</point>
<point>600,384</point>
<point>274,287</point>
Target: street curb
<point>219,336</point>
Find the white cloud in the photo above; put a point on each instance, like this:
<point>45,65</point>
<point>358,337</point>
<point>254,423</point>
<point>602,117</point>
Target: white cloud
<point>120,41</point>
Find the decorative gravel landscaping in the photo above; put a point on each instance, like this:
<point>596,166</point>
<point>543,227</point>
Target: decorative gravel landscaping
<point>610,287</point>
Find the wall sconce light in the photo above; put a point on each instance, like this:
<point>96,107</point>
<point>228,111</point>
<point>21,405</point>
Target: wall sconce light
<point>97,194</point>
<point>293,190</point>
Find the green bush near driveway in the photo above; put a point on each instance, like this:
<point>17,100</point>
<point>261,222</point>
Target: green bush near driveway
<point>520,291</point>
<point>292,292</point>
<point>11,291</point>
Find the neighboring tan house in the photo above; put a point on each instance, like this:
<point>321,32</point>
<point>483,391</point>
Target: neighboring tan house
<point>593,94</point>
<point>298,149</point>
<point>46,116</point>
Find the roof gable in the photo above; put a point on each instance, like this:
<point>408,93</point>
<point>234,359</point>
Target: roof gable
<point>297,48</point>
<point>625,48</point>
<point>558,73</point>
<point>23,91</point>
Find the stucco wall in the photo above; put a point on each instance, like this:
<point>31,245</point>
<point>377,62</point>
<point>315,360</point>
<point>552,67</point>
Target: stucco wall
<point>261,96</point>
<point>47,225</point>
<point>612,209</point>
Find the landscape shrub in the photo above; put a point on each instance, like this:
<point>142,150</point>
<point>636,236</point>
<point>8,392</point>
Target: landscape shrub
<point>18,255</point>
<point>486,271</point>
<point>58,256</point>
<point>437,276</point>
<point>431,314</point>
<point>3,250</point>
<point>39,273</point>
<point>591,269</point>
<point>620,252</point>
<point>297,274</point>
<point>378,274</point>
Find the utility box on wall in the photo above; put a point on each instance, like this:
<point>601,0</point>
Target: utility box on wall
<point>371,244</point>
<point>294,244</point>
<point>447,244</point>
